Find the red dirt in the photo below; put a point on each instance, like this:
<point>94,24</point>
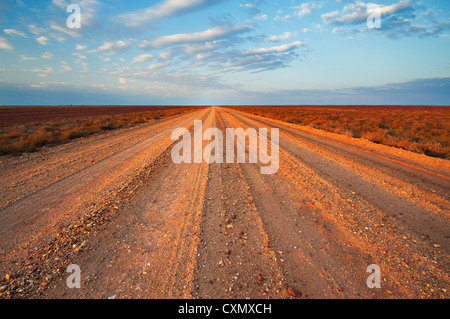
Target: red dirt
<point>12,115</point>
<point>431,108</point>
<point>141,226</point>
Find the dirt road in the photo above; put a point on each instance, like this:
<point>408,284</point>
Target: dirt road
<point>140,226</point>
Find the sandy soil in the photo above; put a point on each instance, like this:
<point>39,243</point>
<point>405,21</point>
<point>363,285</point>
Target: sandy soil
<point>141,226</point>
<point>13,115</point>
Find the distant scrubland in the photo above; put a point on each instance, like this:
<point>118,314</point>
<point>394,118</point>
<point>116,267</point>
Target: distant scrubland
<point>31,136</point>
<point>425,130</point>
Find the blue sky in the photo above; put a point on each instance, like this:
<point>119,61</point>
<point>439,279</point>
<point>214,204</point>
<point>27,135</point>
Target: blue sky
<point>225,52</point>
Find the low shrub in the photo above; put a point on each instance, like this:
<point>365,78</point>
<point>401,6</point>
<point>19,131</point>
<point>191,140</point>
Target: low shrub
<point>425,132</point>
<point>28,138</point>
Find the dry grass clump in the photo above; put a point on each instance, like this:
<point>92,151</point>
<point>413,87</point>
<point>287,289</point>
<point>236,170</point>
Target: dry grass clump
<point>426,132</point>
<point>29,137</point>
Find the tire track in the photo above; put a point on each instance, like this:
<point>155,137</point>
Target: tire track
<point>30,173</point>
<point>234,259</point>
<point>381,190</point>
<point>224,230</point>
<point>425,178</point>
<point>303,247</point>
<point>343,220</point>
<point>64,202</point>
<point>150,250</point>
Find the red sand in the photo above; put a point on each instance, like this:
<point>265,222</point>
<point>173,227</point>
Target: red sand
<point>429,108</point>
<point>11,115</point>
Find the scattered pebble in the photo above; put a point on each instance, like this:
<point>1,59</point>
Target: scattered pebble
<point>294,292</point>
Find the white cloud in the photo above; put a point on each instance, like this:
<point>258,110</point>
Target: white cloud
<point>42,40</point>
<point>209,35</point>
<point>14,32</point>
<point>305,9</point>
<point>359,12</point>
<point>47,55</point>
<point>281,37</point>
<point>26,58</point>
<point>113,47</point>
<point>247,6</point>
<point>398,19</point>
<point>80,47</point>
<point>281,48</point>
<point>65,68</point>
<point>60,3</point>
<point>318,27</point>
<point>39,70</point>
<point>162,10</point>
<point>42,73</point>
<point>81,56</point>
<point>5,45</point>
<point>20,3</point>
<point>165,54</point>
<point>65,30</point>
<point>261,16</point>
<point>36,30</point>
<point>47,84</point>
<point>99,86</point>
<point>202,56</point>
<point>153,67</point>
<point>142,58</point>
<point>193,49</point>
<point>281,17</point>
<point>329,17</point>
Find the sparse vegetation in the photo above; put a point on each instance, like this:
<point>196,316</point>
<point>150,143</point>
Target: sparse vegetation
<point>422,131</point>
<point>29,137</point>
